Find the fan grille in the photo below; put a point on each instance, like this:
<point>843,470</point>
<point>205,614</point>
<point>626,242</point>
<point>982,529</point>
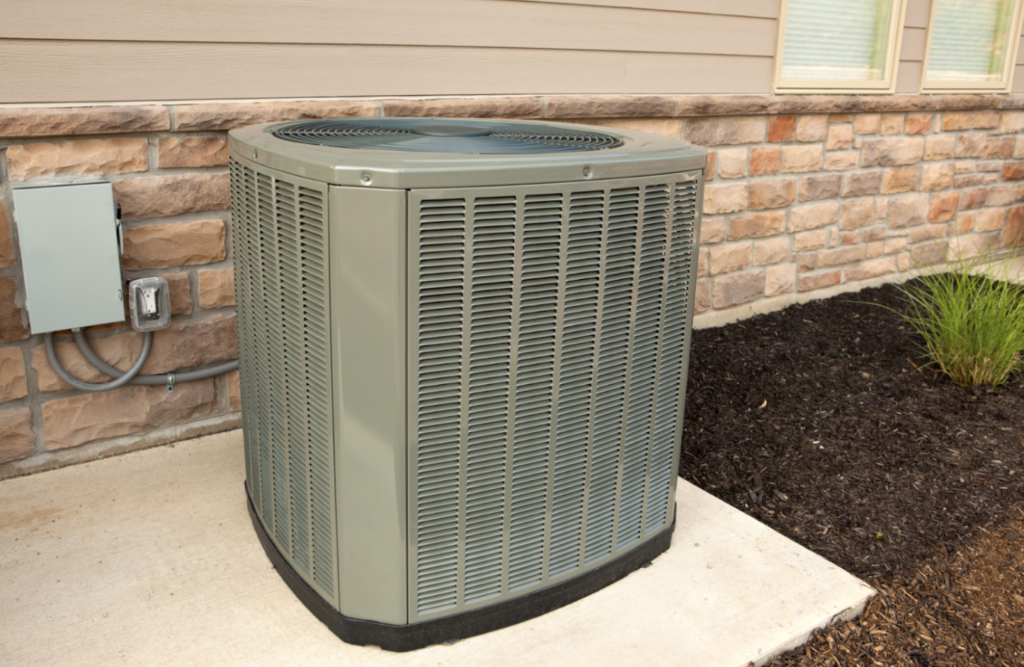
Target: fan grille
<point>432,135</point>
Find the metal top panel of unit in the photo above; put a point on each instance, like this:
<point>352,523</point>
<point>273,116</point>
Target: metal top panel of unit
<point>415,153</point>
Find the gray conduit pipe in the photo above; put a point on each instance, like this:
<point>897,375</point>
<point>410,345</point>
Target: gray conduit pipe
<point>122,379</point>
<point>169,379</point>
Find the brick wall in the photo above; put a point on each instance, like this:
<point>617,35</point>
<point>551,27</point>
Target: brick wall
<point>806,196</point>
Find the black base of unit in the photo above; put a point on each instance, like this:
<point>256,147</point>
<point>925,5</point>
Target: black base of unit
<point>466,624</point>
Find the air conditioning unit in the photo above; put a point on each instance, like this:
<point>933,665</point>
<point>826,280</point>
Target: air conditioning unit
<point>463,356</point>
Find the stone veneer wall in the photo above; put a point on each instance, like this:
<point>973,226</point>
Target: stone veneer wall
<point>805,196</point>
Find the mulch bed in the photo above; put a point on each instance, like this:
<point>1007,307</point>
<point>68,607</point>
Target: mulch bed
<point>824,422</point>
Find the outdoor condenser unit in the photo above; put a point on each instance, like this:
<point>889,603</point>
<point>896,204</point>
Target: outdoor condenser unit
<point>463,359</point>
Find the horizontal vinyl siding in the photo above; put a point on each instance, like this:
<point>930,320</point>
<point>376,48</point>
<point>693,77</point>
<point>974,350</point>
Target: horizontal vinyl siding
<point>108,51</point>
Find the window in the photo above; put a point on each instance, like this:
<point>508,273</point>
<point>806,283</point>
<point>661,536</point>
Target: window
<point>972,45</point>
<point>838,45</point>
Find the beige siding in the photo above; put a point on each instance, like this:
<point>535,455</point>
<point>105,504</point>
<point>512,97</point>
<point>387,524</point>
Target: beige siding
<point>109,50</point>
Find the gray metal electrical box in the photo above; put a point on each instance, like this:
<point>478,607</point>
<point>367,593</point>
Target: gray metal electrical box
<point>69,255</point>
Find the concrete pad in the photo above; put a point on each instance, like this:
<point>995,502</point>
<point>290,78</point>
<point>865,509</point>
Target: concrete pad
<point>150,559</point>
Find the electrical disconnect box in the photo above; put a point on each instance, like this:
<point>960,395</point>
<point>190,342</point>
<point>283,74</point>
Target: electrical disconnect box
<point>68,235</point>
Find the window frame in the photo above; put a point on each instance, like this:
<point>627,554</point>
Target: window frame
<point>887,84</point>
<point>1002,86</point>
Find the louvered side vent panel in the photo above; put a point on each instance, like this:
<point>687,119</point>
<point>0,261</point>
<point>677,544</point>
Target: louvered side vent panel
<point>667,413</point>
<point>548,324</point>
<point>281,276</point>
<point>440,429</point>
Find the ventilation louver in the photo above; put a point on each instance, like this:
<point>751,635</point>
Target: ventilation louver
<point>463,356</point>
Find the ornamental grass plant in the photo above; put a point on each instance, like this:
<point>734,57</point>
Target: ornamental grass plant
<point>971,317</point>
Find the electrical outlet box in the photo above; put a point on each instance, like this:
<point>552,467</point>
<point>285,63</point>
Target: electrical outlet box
<point>69,255</point>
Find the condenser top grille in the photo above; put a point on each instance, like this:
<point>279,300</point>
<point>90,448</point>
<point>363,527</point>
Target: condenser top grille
<point>434,135</point>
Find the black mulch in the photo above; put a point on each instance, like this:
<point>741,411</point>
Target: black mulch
<point>824,422</point>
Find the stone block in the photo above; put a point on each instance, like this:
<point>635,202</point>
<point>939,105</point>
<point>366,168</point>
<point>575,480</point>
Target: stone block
<point>990,166</point>
<point>919,124</point>
<point>927,254</point>
<point>180,291</point>
<point>840,256</point>
<point>732,163</point>
<point>811,128</point>
<point>819,280</point>
<point>738,288</point>
<point>813,188</point>
<point>875,233</point>
<point>192,152</point>
<point>943,207</point>
<point>725,198</point>
<point>1013,230</point>
<point>971,145</point>
<point>12,374</point>
<point>1018,147</point>
<point>1013,171</point>
<point>797,159</point>
<point>85,156</point>
<point>756,225</point>
<point>939,147</point>
<point>69,422</point>
<point>868,123</point>
<point>840,137</point>
<point>732,130</point>
<point>937,177</point>
<point>216,288</point>
<point>67,121</point>
<point>892,123</point>
<point>764,161</point>
<point>874,249</point>
<point>666,127</point>
<point>857,213</point>
<point>709,170</point>
<point>17,439</point>
<point>712,230</point>
<point>837,118</point>
<point>862,183</point>
<point>990,219</point>
<point>208,116</point>
<point>849,238</point>
<point>841,161</point>
<point>726,105</point>
<point>807,261</point>
<point>1012,122</point>
<point>6,244</point>
<point>927,233</point>
<point>12,326</point>
<point>160,196</point>
<point>869,269</point>
<point>781,129</point>
<point>558,106</point>
<point>965,222</point>
<point>1002,195</point>
<point>771,251</point>
<point>811,240</point>
<point>894,245</point>
<point>901,179</point>
<point>968,180</point>
<point>173,244</point>
<point>813,216</point>
<point>892,152</point>
<point>881,208</point>
<point>728,258</point>
<point>779,280</point>
<point>973,198</point>
<point>954,122</point>
<point>234,387</point>
<point>701,297</point>
<point>702,262</point>
<point>965,166</point>
<point>986,120</point>
<point>1000,148</point>
<point>907,211</point>
<point>772,193</point>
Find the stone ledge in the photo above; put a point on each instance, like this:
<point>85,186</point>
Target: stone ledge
<point>53,122</point>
